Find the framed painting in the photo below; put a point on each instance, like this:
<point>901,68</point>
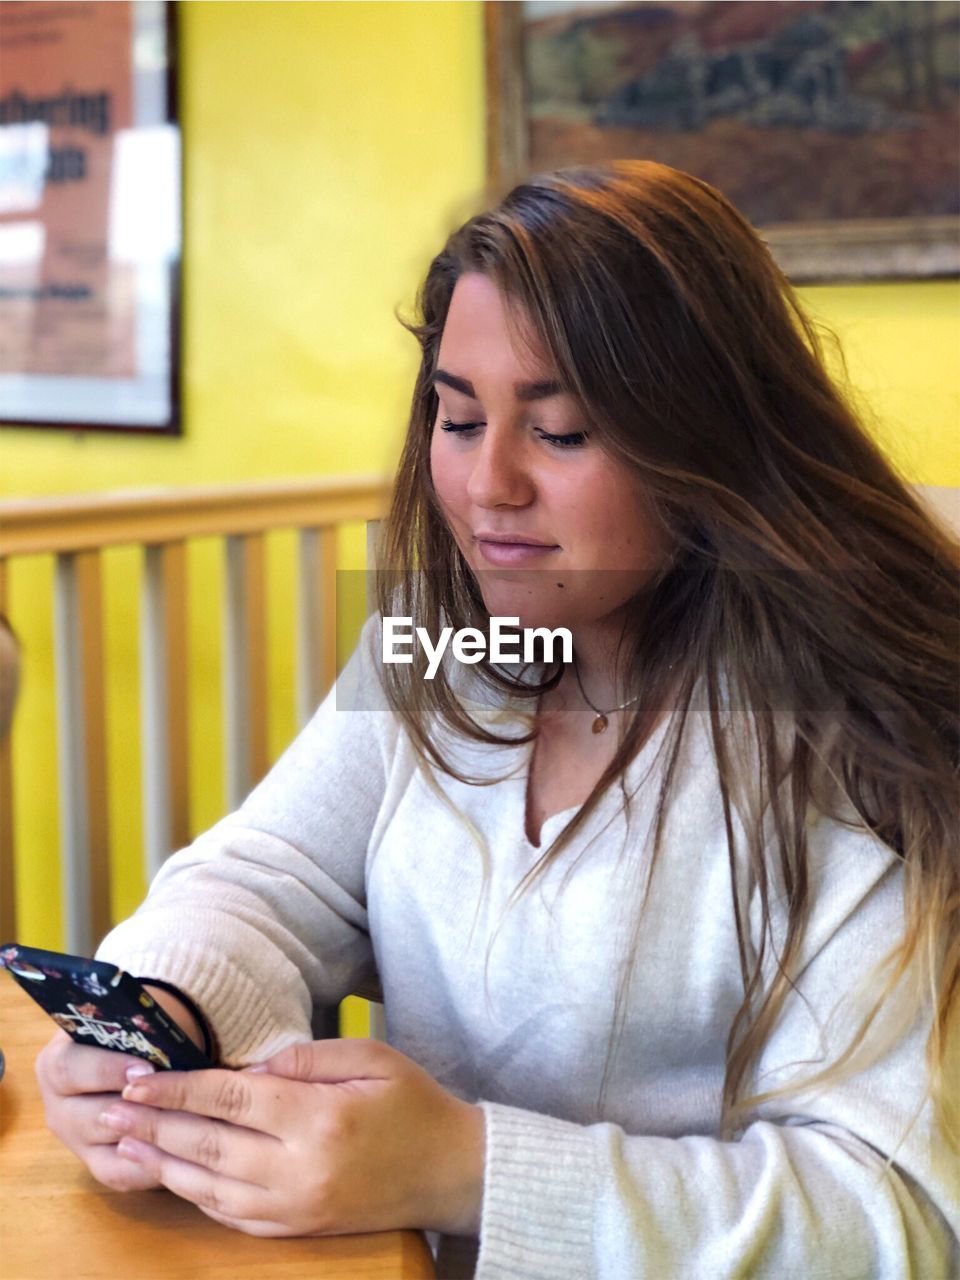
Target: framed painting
<point>90,217</point>
<point>834,127</point>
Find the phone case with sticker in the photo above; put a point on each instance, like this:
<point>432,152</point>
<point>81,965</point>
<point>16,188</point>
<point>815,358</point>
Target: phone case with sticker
<point>101,1005</point>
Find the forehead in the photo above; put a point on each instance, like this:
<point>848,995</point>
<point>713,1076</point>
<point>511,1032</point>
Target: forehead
<point>481,320</point>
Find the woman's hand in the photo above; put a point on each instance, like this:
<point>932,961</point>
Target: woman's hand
<point>325,1138</point>
<point>77,1082</point>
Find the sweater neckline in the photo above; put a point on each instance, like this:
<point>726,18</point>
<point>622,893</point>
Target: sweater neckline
<point>635,773</point>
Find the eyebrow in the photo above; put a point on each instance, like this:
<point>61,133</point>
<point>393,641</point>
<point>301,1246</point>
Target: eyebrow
<point>525,391</point>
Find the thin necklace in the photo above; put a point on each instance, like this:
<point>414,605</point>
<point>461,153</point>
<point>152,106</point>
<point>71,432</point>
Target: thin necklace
<point>600,723</point>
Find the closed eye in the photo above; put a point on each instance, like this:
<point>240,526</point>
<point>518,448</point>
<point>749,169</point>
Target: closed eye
<point>447,425</point>
<point>571,440</point>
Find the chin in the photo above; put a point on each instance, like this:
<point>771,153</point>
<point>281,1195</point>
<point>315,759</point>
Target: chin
<point>533,598</point>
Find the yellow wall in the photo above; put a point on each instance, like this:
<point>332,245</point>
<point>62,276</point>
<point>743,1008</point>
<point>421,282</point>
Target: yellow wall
<point>901,343</point>
<point>328,148</point>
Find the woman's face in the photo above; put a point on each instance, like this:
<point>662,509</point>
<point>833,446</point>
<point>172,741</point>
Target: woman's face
<point>556,530</point>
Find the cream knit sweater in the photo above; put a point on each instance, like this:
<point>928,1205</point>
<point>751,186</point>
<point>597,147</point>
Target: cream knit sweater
<point>347,863</point>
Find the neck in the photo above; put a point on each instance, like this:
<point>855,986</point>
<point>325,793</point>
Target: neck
<point>601,661</point>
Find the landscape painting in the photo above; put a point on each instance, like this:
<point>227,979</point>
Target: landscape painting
<point>806,115</point>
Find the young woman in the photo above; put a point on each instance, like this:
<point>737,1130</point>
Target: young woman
<point>668,935</point>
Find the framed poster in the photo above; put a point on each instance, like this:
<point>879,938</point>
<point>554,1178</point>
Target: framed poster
<point>90,216</point>
<point>834,127</point>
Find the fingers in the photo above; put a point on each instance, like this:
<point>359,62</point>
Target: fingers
<point>254,1227</point>
<point>114,1171</point>
<point>223,1198</point>
<point>333,1061</point>
<point>86,1124</point>
<point>77,1082</point>
<point>254,1101</point>
<point>215,1146</point>
<point>78,1123</point>
<point>66,1068</point>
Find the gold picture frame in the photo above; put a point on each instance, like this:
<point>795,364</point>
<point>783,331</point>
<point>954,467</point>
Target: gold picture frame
<point>826,249</point>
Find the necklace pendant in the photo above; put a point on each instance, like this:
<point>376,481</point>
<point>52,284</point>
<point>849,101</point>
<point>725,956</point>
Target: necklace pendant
<point>600,724</point>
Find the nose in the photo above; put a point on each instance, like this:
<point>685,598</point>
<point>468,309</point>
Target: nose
<point>500,475</point>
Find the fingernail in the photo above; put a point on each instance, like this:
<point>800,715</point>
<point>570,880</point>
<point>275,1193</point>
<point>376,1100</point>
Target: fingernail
<point>140,1069</point>
<point>112,1121</point>
<point>258,1067</point>
<point>130,1149</point>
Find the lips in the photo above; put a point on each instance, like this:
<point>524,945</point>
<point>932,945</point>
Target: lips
<point>512,550</point>
<point>512,539</point>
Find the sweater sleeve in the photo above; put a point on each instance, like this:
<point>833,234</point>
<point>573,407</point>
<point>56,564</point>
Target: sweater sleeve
<point>264,916</point>
<point>803,1192</point>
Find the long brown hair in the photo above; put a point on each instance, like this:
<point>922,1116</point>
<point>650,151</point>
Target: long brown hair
<point>809,590</point>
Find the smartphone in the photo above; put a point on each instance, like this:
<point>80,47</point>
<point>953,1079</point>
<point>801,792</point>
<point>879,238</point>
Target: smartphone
<point>99,1004</point>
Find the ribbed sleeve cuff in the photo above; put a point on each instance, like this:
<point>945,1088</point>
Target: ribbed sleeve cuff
<point>539,1197</point>
<point>250,1024</point>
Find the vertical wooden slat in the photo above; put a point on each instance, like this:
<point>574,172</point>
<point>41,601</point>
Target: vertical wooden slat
<point>82,758</point>
<point>163,684</point>
<point>245,665</point>
<point>373,539</point>
<point>378,1022</point>
<point>8,902</point>
<point>317,658</point>
<point>316,618</point>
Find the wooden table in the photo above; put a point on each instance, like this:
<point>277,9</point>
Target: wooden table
<point>57,1221</point>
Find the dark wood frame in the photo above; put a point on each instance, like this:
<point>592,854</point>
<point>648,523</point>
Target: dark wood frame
<point>174,423</point>
<point>809,252</point>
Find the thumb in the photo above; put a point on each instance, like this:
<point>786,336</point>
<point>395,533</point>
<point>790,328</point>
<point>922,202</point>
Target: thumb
<point>330,1061</point>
